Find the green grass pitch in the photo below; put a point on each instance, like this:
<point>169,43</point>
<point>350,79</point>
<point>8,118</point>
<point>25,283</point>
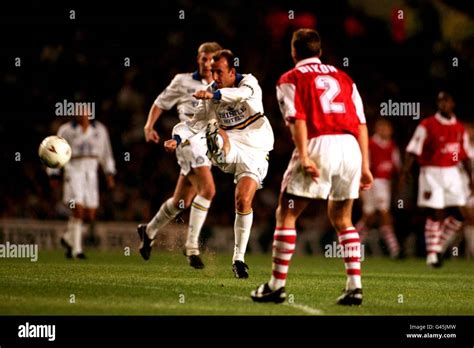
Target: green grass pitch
<point>113,284</point>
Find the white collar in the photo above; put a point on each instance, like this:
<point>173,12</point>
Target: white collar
<point>314,60</point>
<point>444,120</point>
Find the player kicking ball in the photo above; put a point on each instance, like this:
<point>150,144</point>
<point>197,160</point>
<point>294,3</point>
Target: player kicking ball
<point>324,111</point>
<point>239,139</point>
<point>195,186</point>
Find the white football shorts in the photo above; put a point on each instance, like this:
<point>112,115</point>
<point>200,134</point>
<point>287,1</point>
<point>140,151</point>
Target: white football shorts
<point>191,153</point>
<point>249,151</point>
<point>81,187</point>
<point>441,187</point>
<point>339,161</point>
<point>378,197</point>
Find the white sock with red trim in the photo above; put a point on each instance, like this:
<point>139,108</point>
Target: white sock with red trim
<point>361,226</point>
<point>350,241</point>
<point>388,234</point>
<point>284,241</point>
<point>432,237</point>
<point>450,228</point>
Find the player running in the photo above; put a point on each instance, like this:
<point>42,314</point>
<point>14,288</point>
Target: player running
<point>384,163</point>
<point>90,145</point>
<point>195,186</point>
<point>238,142</point>
<point>324,111</point>
<point>440,146</point>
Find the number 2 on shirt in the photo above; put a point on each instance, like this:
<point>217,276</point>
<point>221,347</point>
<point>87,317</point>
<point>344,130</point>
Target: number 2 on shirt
<point>331,90</point>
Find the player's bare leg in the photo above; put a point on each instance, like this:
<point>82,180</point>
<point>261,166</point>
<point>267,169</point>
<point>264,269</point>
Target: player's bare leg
<point>284,240</point>
<point>244,194</point>
<point>202,180</point>
<point>364,224</point>
<point>72,239</point>
<point>340,215</point>
<point>182,198</point>
<point>388,233</point>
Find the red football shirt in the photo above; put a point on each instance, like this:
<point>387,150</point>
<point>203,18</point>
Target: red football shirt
<point>384,157</point>
<point>323,95</point>
<point>439,142</point>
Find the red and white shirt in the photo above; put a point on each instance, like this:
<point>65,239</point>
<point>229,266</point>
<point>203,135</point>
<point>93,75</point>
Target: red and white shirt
<point>384,157</point>
<point>439,142</point>
<point>323,95</point>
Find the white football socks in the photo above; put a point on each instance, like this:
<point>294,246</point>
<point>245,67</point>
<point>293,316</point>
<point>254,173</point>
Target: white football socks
<point>242,227</point>
<point>75,230</point>
<point>167,212</point>
<point>197,217</point>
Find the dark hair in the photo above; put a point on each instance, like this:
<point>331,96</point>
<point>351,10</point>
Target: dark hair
<point>306,43</point>
<point>444,94</point>
<point>227,55</point>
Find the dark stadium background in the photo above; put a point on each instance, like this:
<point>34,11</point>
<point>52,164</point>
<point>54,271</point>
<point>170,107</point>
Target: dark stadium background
<point>405,60</point>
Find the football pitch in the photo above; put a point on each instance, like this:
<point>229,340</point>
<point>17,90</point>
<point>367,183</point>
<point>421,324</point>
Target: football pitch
<point>110,283</point>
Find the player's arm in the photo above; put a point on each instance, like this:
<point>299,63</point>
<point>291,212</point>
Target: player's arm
<point>171,144</point>
<point>413,150</point>
<point>407,168</point>
<point>396,160</point>
<point>295,119</point>
<point>106,160</point>
<point>366,178</point>
<point>363,140</point>
<point>299,132</point>
<point>245,91</point>
<point>165,101</point>
<point>150,133</point>
<point>204,111</point>
<point>467,162</point>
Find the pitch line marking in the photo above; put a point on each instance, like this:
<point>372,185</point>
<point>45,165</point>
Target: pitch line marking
<point>304,308</point>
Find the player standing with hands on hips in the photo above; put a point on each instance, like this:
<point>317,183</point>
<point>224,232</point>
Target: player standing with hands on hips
<point>324,111</point>
<point>239,139</point>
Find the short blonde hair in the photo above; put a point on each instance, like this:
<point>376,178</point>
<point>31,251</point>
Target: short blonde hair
<point>209,47</point>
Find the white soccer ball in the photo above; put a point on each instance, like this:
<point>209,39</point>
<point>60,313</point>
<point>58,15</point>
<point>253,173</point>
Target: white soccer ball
<point>54,151</point>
